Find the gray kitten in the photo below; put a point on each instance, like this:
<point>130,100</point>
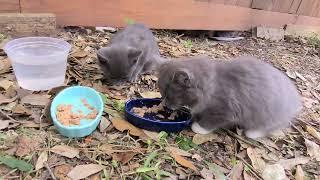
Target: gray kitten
<point>131,52</point>
<point>245,92</point>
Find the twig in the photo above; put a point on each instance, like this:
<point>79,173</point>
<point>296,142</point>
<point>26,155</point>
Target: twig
<point>241,138</point>
<point>50,172</point>
<point>7,116</point>
<point>254,172</point>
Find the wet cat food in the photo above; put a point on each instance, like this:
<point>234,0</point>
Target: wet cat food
<point>157,110</point>
<point>67,117</point>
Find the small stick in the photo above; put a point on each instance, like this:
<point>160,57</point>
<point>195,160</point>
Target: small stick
<point>254,172</point>
<point>241,138</point>
<point>50,172</point>
<point>7,116</point>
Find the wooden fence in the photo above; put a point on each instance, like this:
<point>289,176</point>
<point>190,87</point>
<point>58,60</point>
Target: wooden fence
<point>175,14</point>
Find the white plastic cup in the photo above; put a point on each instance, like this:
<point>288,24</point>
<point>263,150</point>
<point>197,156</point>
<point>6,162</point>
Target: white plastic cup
<point>39,63</point>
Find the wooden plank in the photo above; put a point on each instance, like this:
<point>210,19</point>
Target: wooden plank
<point>27,23</point>
<point>294,6</point>
<point>262,4</point>
<point>282,5</point>
<point>230,2</point>
<point>9,6</point>
<point>178,14</point>
<point>244,3</point>
<point>306,7</point>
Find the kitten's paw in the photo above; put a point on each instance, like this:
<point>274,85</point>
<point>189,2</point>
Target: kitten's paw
<point>254,134</point>
<point>198,129</point>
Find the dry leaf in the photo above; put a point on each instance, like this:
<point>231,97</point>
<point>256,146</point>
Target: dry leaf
<point>274,172</point>
<point>206,174</point>
<point>26,145</point>
<point>5,100</point>
<point>290,163</point>
<point>83,171</point>
<point>67,151</point>
<point>246,176</point>
<point>4,124</point>
<point>183,162</point>
<point>20,109</point>
<point>268,142</point>
<point>178,151</point>
<point>123,125</point>
<point>5,84</point>
<point>152,135</point>
<point>94,177</point>
<point>300,76</point>
<point>106,148</point>
<point>123,157</point>
<point>313,132</point>
<point>104,124</point>
<point>291,74</point>
<point>256,160</point>
<point>313,149</point>
<point>79,54</point>
<point>299,173</point>
<point>236,172</point>
<point>41,160</point>
<point>5,66</point>
<point>197,157</point>
<point>202,138</point>
<point>151,94</point>
<point>36,99</point>
<point>60,172</point>
<point>32,124</point>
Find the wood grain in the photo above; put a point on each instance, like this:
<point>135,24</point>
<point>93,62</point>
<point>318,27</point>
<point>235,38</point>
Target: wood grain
<point>164,14</point>
<point>282,5</point>
<point>262,4</point>
<point>244,3</point>
<point>9,6</point>
<point>294,6</point>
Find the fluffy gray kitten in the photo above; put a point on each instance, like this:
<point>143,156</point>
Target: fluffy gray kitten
<point>131,52</point>
<point>245,92</point>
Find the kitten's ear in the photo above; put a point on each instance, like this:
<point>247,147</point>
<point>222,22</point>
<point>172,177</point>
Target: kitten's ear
<point>183,77</point>
<point>102,55</point>
<point>134,54</point>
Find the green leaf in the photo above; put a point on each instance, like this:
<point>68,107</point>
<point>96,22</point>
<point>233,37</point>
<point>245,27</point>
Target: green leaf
<point>150,158</point>
<point>105,98</point>
<point>16,163</point>
<point>146,177</point>
<point>185,143</point>
<point>119,105</point>
<point>146,169</point>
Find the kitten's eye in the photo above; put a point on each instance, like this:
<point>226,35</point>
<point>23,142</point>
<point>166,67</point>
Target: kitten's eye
<point>134,61</point>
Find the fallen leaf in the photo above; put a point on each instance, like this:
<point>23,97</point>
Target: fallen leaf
<point>183,162</point>
<point>291,74</point>
<point>202,138</point>
<point>60,172</point>
<point>83,171</point>
<point>20,109</point>
<point>94,177</point>
<point>313,149</point>
<point>79,54</point>
<point>313,132</point>
<point>246,176</point>
<point>299,173</point>
<point>14,163</point>
<point>151,94</point>
<point>36,99</point>
<point>122,125</point>
<point>4,124</point>
<point>5,100</point>
<point>107,148</point>
<point>236,172</point>
<point>41,160</point>
<point>178,151</point>
<point>26,145</point>
<point>5,66</point>
<point>32,124</point>
<point>5,84</point>
<point>218,171</point>
<point>152,135</point>
<point>104,124</point>
<point>206,174</point>
<point>56,90</point>
<point>274,172</point>
<point>11,92</point>
<point>268,142</point>
<point>123,157</point>
<point>256,160</point>
<point>290,163</point>
<point>300,76</point>
<point>197,157</point>
<point>67,151</point>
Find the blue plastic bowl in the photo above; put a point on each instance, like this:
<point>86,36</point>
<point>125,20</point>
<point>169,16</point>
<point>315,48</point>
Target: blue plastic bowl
<point>149,122</point>
<point>73,96</point>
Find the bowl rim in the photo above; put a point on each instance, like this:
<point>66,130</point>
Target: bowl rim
<point>153,121</point>
<point>9,47</point>
<point>76,127</point>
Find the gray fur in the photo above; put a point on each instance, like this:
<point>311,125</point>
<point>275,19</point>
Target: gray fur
<point>245,92</point>
<point>131,52</point>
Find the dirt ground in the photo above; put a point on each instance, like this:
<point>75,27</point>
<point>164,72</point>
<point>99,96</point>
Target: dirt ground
<point>31,148</point>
